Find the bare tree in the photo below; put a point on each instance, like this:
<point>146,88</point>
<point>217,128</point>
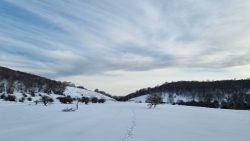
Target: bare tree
<point>154,99</point>
<point>170,98</point>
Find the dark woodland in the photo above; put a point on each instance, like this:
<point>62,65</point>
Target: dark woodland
<point>11,80</point>
<point>228,94</point>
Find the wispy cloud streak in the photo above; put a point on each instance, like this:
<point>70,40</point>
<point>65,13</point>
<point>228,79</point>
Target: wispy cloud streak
<point>70,38</point>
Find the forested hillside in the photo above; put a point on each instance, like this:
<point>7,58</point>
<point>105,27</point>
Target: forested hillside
<point>20,87</point>
<point>226,93</point>
<point>11,80</point>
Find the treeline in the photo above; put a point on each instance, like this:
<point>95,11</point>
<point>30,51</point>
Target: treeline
<point>11,80</point>
<point>231,94</point>
<point>69,100</point>
<point>234,101</point>
<point>103,92</point>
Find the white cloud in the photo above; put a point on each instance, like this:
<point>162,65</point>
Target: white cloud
<point>89,39</point>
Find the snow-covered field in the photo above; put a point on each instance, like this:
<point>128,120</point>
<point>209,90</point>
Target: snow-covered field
<point>116,121</point>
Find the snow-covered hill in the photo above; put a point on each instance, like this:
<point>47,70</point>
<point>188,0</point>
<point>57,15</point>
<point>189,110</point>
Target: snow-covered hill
<point>77,92</point>
<point>228,94</point>
<point>26,87</point>
<point>121,121</point>
<point>73,92</point>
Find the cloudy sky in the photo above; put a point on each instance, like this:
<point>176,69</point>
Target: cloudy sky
<point>122,45</point>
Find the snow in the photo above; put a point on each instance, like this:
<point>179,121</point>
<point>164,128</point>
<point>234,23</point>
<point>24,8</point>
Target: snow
<point>139,98</point>
<point>121,121</point>
<point>165,98</point>
<point>77,92</point>
<point>71,91</point>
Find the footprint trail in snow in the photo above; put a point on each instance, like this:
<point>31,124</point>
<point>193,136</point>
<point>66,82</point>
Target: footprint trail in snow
<point>130,131</point>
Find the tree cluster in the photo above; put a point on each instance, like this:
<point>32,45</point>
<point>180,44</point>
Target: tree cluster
<point>102,92</point>
<point>86,100</point>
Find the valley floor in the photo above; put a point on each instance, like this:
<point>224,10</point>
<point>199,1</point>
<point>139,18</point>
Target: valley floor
<point>116,121</point>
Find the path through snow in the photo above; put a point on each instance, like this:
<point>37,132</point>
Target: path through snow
<point>130,131</point>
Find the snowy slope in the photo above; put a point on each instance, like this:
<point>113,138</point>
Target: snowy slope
<point>165,98</point>
<point>139,98</point>
<point>69,91</point>
<point>121,121</point>
<point>76,92</point>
